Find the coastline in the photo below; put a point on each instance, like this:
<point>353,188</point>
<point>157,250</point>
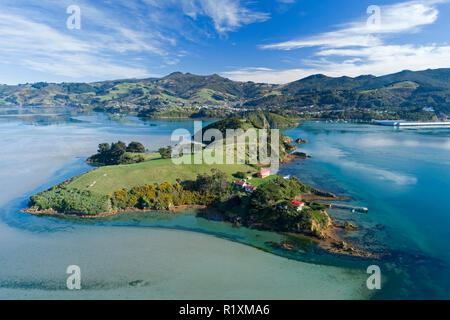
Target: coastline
<point>173,210</point>
<point>328,240</point>
<point>331,243</point>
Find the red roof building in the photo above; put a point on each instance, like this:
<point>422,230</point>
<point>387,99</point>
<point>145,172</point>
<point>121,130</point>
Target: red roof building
<point>298,204</point>
<point>245,186</point>
<point>264,173</point>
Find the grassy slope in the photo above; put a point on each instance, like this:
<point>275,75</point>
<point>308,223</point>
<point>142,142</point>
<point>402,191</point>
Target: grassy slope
<point>112,178</point>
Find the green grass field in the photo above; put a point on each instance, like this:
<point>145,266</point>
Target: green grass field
<point>106,180</point>
<point>259,181</point>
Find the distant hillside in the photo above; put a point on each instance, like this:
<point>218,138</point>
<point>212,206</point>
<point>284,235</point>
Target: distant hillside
<point>399,92</point>
<point>188,95</point>
<point>439,79</point>
<point>176,90</point>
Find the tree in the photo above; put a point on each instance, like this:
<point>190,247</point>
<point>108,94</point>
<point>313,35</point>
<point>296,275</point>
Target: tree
<point>136,147</point>
<point>116,154</point>
<point>103,152</point>
<point>166,153</point>
<point>240,175</point>
<point>275,191</point>
<point>117,150</point>
<point>217,183</point>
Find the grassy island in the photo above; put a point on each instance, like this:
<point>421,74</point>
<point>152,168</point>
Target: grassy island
<point>237,192</point>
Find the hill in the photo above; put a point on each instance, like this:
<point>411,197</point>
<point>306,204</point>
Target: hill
<point>399,95</point>
<point>176,90</point>
<point>403,94</point>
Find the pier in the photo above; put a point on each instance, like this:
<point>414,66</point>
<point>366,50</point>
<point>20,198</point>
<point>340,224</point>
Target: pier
<point>352,208</point>
<point>401,123</point>
<point>347,207</point>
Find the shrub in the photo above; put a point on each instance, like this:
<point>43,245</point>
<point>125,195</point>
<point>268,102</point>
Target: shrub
<point>72,201</point>
<point>240,175</point>
<point>116,153</point>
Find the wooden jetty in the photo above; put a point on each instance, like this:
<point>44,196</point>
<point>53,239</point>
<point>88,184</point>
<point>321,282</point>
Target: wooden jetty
<point>347,207</point>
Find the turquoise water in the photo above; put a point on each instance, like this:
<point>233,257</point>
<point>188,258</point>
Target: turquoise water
<point>402,176</point>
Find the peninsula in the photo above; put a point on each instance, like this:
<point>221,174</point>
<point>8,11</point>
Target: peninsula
<point>128,179</point>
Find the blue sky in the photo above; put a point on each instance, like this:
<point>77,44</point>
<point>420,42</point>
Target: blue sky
<point>273,41</point>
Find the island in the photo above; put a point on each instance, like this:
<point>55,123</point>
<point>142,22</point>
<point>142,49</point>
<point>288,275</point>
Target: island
<point>129,179</point>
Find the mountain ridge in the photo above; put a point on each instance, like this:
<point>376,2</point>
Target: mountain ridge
<point>402,91</point>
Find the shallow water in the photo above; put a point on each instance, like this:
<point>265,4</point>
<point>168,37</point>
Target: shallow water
<point>122,257</point>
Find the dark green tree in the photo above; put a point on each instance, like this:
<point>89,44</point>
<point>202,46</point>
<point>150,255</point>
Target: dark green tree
<point>118,149</point>
<point>135,147</point>
<point>240,175</point>
<point>216,183</point>
<point>103,152</point>
<point>166,153</point>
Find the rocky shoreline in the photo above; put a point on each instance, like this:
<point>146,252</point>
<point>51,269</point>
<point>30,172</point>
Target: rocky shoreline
<point>330,242</point>
<point>175,209</point>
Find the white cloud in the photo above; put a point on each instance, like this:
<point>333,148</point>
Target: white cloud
<point>227,15</point>
<point>18,33</point>
<point>29,41</point>
<point>377,61</point>
<point>76,65</point>
<point>397,18</point>
<point>35,36</point>
<point>267,75</point>
<point>356,48</point>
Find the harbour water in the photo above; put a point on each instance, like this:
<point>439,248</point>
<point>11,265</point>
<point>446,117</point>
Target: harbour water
<point>402,176</point>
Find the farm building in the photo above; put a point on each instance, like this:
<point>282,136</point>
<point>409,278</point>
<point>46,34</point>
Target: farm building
<point>264,173</point>
<point>298,204</point>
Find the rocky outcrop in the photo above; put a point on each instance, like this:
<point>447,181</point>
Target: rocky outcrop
<point>301,155</point>
<point>316,227</point>
<point>283,245</point>
<point>350,227</point>
<point>324,194</point>
<point>301,141</point>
